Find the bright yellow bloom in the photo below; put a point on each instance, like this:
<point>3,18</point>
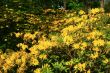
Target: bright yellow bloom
<point>96,49</point>
<point>68,40</point>
<point>80,25</point>
<point>22,45</point>
<point>8,61</point>
<point>54,38</point>
<point>67,29</point>
<point>94,56</point>
<point>36,32</point>
<point>18,61</point>
<point>94,34</point>
<point>108,43</point>
<point>18,34</point>
<point>45,44</point>
<point>34,61</point>
<point>34,50</point>
<point>89,71</point>
<point>28,36</point>
<point>69,20</point>
<point>2,56</point>
<point>38,70</point>
<point>81,12</point>
<point>64,33</point>
<point>80,66</point>
<point>69,62</point>
<point>84,17</point>
<point>43,56</point>
<point>98,42</point>
<point>94,11</point>
<point>23,59</point>
<point>84,44</point>
<point>76,46</point>
<point>105,61</point>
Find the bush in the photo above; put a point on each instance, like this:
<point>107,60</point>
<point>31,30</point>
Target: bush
<point>77,43</point>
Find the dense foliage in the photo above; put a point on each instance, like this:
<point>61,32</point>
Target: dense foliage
<point>57,41</point>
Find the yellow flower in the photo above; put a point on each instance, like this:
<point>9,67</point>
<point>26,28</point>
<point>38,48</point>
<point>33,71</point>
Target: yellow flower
<point>81,12</point>
<point>84,44</point>
<point>43,56</point>
<point>80,66</point>
<point>76,46</point>
<point>36,32</point>
<point>66,30</point>
<point>69,20</point>
<point>95,49</point>
<point>23,59</point>
<point>68,40</point>
<point>18,34</point>
<point>64,33</point>
<point>70,28</point>
<point>94,11</point>
<point>98,42</point>
<point>54,38</point>
<point>22,45</point>
<point>84,17</point>
<point>45,44</point>
<point>8,61</point>
<point>38,70</point>
<point>94,34</point>
<point>28,36</point>
<point>69,62</point>
<point>2,56</point>
<point>94,56</point>
<point>41,47</point>
<point>18,61</point>
<point>105,61</point>
<point>108,43</point>
<point>34,61</point>
<point>34,50</point>
<point>89,71</point>
<point>80,25</point>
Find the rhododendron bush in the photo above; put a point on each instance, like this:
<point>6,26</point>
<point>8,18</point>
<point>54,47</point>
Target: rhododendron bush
<point>75,42</point>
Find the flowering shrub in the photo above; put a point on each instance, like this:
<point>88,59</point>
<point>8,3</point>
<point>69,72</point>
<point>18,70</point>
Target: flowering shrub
<point>77,43</point>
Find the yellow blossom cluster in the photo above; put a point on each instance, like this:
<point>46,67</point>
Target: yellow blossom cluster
<point>81,12</point>
<point>94,56</point>
<point>18,34</point>
<point>96,10</point>
<point>80,67</point>
<point>94,34</point>
<point>68,40</point>
<point>22,46</point>
<point>43,45</point>
<point>29,36</point>
<point>98,42</point>
<point>38,70</point>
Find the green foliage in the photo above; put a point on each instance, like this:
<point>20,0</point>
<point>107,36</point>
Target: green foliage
<point>75,5</point>
<point>47,69</point>
<point>59,67</point>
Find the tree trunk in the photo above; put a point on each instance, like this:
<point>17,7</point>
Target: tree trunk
<point>102,3</point>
